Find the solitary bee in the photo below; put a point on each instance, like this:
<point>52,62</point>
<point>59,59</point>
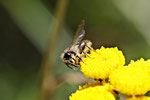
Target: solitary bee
<point>74,54</point>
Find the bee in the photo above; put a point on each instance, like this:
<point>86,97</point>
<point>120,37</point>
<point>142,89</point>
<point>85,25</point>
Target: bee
<point>77,51</point>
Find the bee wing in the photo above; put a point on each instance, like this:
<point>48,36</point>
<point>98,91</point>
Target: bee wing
<point>79,33</point>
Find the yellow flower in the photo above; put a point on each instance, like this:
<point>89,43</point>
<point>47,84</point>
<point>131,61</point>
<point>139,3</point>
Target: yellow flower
<point>100,63</point>
<point>141,63</point>
<point>92,92</point>
<point>133,79</point>
<point>139,98</point>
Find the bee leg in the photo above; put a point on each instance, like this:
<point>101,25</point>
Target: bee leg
<point>75,65</point>
<point>69,66</point>
<point>85,43</point>
<point>86,54</point>
<point>82,47</point>
<point>89,47</point>
<point>80,58</point>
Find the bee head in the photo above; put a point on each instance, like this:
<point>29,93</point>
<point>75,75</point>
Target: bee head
<point>68,57</point>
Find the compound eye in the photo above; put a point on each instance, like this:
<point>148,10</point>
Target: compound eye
<point>67,56</point>
<point>71,61</point>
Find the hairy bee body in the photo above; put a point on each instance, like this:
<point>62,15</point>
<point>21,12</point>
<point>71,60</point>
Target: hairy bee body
<point>73,55</point>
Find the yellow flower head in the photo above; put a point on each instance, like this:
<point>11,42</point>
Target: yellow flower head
<point>145,65</point>
<point>93,93</point>
<point>100,63</point>
<point>133,79</point>
<point>139,98</point>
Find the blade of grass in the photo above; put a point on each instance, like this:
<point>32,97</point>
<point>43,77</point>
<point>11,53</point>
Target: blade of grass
<point>47,64</point>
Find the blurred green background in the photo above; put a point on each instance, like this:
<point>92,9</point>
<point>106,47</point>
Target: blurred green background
<point>25,29</point>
